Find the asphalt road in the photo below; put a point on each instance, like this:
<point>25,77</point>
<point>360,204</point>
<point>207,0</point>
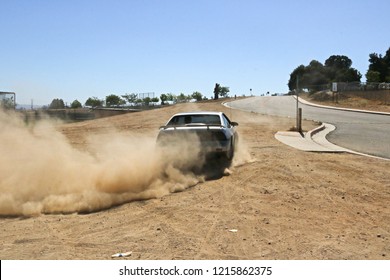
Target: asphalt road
<point>361,132</point>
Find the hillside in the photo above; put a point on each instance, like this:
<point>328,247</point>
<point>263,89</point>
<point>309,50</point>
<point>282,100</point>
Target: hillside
<point>362,100</point>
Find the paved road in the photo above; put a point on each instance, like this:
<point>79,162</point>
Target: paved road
<point>360,132</point>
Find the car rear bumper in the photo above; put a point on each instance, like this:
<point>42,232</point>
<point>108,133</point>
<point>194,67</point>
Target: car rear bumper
<point>214,147</point>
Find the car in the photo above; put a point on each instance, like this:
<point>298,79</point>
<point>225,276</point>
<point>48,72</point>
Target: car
<point>213,131</point>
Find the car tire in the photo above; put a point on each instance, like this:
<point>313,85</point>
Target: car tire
<point>230,152</point>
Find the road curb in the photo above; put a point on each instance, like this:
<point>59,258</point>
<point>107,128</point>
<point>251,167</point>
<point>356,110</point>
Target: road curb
<point>314,131</point>
<point>322,141</point>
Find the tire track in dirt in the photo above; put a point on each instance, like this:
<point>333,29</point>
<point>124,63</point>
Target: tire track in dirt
<point>221,231</point>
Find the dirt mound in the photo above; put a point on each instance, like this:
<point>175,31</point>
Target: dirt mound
<point>321,96</point>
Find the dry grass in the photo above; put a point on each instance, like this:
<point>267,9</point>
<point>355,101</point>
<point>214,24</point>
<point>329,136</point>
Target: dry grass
<point>353,100</point>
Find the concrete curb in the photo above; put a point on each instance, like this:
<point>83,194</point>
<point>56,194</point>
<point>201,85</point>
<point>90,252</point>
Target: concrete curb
<point>318,135</point>
<point>314,131</point>
<point>323,141</point>
<point>312,141</point>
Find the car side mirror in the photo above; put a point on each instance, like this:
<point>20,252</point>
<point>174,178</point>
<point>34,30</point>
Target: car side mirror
<point>234,123</point>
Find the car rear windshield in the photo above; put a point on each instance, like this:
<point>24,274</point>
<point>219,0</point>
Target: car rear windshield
<point>195,119</point>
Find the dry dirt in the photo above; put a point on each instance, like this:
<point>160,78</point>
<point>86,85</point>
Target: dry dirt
<point>360,100</point>
<point>281,203</point>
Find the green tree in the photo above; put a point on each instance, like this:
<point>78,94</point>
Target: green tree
<point>373,76</point>
<point>217,90</point>
<point>197,96</point>
<point>350,75</point>
<point>296,74</point>
<point>57,104</point>
<point>94,102</point>
<point>386,58</point>
<point>171,97</point>
<point>76,104</point>
<point>379,64</point>
<point>146,101</point>
<point>339,69</point>
<point>181,98</point>
<point>155,100</point>
<point>130,97</point>
<point>338,62</point>
<point>315,76</point>
<point>114,100</point>
<point>224,91</point>
<point>163,98</point>
<point>220,91</point>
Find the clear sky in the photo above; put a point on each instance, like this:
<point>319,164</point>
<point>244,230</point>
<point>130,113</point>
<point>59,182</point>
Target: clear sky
<point>75,49</point>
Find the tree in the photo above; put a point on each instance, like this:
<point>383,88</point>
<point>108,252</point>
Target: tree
<point>76,104</point>
<point>296,74</point>
<point>130,98</point>
<point>94,102</point>
<point>114,100</point>
<point>146,101</point>
<point>339,69</point>
<point>197,96</point>
<point>373,76</point>
<point>338,62</point>
<point>155,100</point>
<point>224,91</point>
<point>217,90</point>
<point>163,98</point>
<point>171,97</point>
<point>315,76</point>
<point>386,58</point>
<point>381,65</point>
<point>350,75</point>
<point>57,104</point>
<point>220,91</point>
<point>181,98</point>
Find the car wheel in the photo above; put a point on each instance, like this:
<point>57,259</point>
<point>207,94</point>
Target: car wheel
<point>230,152</point>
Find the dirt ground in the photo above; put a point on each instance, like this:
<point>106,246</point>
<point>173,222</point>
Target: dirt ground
<point>274,202</point>
<point>380,102</point>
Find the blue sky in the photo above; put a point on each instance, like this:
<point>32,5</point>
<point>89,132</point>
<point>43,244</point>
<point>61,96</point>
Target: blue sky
<point>79,49</point>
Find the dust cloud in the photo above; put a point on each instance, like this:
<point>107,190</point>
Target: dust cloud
<point>41,172</point>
